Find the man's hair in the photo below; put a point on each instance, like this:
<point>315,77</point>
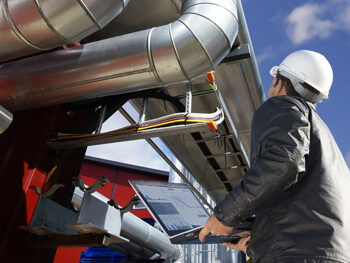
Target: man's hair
<point>289,86</point>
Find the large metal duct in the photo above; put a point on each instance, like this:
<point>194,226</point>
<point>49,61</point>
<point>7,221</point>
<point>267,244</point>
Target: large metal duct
<point>29,26</point>
<point>157,57</point>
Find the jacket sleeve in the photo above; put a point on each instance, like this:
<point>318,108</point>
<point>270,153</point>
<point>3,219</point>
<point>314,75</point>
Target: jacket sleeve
<point>279,146</point>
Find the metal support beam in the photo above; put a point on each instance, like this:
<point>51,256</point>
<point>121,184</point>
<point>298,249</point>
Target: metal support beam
<point>101,118</point>
<point>142,117</point>
<point>223,154</point>
<point>189,99</point>
<point>128,136</point>
<point>238,53</point>
<point>231,168</point>
<point>53,241</point>
<point>169,162</point>
<point>213,138</point>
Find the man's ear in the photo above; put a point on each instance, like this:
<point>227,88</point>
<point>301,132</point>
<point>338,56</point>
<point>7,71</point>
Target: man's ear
<point>278,88</point>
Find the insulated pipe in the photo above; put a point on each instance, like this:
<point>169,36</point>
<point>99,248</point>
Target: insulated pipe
<point>31,26</point>
<point>157,57</point>
<point>141,233</point>
<point>143,237</point>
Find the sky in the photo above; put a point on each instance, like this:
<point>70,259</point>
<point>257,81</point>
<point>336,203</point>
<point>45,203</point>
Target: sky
<point>280,27</point>
<point>277,28</point>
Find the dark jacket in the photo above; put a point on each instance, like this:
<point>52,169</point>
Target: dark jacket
<point>298,186</point>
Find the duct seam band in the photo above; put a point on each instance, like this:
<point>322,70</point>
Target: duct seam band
<point>150,58</point>
<point>177,54</point>
<point>15,29</point>
<point>49,24</point>
<point>90,14</point>
<point>207,18</point>
<point>200,42</point>
<point>221,6</point>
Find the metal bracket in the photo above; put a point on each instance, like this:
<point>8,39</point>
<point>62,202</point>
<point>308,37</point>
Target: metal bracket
<point>142,116</point>
<point>49,193</point>
<point>101,119</point>
<point>237,54</point>
<point>50,217</point>
<point>78,182</point>
<point>189,98</point>
<point>134,201</point>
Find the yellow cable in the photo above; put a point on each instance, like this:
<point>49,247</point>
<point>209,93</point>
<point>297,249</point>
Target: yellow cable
<point>128,130</point>
<point>214,87</point>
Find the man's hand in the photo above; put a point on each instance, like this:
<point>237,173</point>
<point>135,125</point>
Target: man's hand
<point>215,227</point>
<point>240,246</point>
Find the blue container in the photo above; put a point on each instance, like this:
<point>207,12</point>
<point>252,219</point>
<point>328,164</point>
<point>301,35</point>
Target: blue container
<point>104,254</point>
<point>101,255</point>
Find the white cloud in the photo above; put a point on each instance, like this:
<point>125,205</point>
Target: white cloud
<point>318,21</point>
<point>343,19</point>
<point>269,52</point>
<point>307,22</point>
<point>137,152</point>
<point>260,58</point>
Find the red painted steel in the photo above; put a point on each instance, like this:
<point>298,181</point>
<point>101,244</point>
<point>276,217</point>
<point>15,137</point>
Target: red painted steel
<point>123,193</point>
<point>24,162</point>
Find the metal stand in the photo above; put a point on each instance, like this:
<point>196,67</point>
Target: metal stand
<point>54,225</point>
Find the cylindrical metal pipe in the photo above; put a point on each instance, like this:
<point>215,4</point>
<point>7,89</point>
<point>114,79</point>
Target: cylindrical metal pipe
<point>143,237</point>
<point>134,251</point>
<point>31,26</point>
<point>6,118</point>
<point>170,54</point>
<point>149,237</point>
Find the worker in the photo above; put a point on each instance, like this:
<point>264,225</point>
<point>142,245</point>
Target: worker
<point>298,184</point>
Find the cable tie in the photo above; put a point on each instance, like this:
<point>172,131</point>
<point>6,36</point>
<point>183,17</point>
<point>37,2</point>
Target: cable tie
<point>186,118</point>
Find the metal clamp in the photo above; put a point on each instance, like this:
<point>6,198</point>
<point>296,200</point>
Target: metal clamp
<point>134,201</point>
<point>49,193</point>
<point>78,182</point>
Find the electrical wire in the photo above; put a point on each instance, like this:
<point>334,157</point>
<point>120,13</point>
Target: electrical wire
<point>172,119</point>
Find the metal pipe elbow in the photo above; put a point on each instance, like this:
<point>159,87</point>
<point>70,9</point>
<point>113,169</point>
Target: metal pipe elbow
<point>29,26</point>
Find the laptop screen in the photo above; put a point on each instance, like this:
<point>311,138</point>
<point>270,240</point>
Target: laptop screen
<point>174,206</point>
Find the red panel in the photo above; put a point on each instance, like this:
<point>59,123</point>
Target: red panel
<point>90,172</point>
<point>68,254</point>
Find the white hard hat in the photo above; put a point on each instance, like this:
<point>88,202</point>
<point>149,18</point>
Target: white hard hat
<point>309,67</point>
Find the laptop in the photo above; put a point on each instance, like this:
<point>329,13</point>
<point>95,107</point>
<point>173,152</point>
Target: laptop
<point>180,214</point>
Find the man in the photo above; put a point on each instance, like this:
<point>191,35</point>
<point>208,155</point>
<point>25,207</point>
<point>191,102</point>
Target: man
<point>298,185</point>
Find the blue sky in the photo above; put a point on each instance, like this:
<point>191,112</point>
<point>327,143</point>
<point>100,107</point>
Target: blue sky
<point>277,28</point>
<point>280,27</point>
